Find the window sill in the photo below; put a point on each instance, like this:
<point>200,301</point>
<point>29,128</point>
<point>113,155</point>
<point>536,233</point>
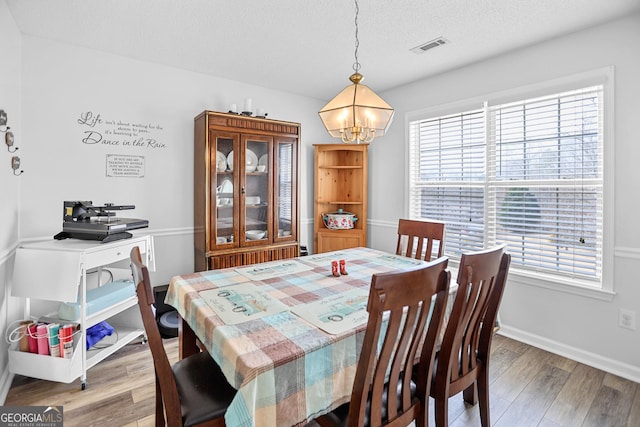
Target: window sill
<point>558,284</point>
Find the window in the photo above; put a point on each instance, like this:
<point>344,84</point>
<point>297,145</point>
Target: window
<point>527,172</point>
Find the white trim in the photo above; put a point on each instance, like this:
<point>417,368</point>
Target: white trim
<point>383,223</point>
<point>602,75</point>
<point>560,284</point>
<point>474,103</point>
<point>608,176</point>
<point>169,231</point>
<point>8,253</point>
<point>606,364</point>
<point>623,252</point>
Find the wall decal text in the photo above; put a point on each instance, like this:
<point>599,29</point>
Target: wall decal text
<point>119,133</point>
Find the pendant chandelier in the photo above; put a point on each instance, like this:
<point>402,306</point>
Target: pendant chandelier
<point>356,114</point>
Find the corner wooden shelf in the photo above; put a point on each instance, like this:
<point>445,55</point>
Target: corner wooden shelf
<point>340,183</point>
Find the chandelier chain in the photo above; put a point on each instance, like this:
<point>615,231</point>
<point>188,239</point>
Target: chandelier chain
<point>356,65</point>
<point>356,115</point>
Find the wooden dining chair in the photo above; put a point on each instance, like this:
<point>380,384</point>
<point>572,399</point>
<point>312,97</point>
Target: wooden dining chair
<point>399,314</point>
<point>462,363</point>
<point>192,392</point>
<point>417,239</point>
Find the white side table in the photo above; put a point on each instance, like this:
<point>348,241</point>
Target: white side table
<point>56,270</point>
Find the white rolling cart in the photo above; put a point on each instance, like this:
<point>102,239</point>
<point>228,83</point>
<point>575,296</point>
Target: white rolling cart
<point>56,270</point>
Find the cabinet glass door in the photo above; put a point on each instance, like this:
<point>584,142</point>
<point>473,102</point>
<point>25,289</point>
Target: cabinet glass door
<point>286,189</point>
<point>256,189</point>
<point>223,200</point>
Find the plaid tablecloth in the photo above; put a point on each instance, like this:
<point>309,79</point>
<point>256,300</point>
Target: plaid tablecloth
<point>287,371</point>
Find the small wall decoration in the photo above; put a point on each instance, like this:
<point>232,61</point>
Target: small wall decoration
<point>136,135</point>
<point>119,165</point>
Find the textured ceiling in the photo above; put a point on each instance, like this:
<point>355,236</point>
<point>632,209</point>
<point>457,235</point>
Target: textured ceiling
<point>307,46</point>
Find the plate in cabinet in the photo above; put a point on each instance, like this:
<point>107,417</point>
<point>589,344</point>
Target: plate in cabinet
<point>221,161</point>
<point>264,160</point>
<point>230,160</point>
<point>252,161</point>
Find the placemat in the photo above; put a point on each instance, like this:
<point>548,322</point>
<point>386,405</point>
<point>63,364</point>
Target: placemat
<point>243,302</point>
<point>268,270</point>
<point>337,314</point>
<point>398,260</point>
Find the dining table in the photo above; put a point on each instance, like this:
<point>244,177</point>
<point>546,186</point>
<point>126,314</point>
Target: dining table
<point>287,334</point>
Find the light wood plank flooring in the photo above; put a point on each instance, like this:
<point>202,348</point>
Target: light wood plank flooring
<point>529,387</point>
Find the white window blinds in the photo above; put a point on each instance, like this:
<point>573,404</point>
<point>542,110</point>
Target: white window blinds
<point>546,181</point>
<point>526,173</point>
<point>448,176</point>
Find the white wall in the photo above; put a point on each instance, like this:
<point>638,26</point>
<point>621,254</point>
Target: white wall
<point>9,184</point>
<point>581,327</point>
<point>62,82</point>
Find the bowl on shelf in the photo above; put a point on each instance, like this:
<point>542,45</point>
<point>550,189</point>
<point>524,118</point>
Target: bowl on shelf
<point>255,234</point>
<point>340,220</point>
<point>224,201</point>
<point>253,200</point>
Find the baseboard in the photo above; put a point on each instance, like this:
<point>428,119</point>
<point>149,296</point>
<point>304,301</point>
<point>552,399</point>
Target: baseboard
<point>5,385</point>
<point>611,366</point>
<point>8,252</point>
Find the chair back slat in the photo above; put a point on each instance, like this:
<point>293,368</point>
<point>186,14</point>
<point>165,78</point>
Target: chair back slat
<point>400,329</point>
<point>481,278</point>
<point>469,332</point>
<point>417,239</point>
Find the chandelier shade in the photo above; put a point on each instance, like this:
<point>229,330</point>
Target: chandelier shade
<point>357,113</point>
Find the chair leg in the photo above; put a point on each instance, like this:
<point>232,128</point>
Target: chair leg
<point>441,411</point>
<point>470,394</point>
<point>483,397</point>
<point>422,420</point>
<point>159,405</point>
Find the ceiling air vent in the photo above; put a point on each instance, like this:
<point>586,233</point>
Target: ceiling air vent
<point>429,45</point>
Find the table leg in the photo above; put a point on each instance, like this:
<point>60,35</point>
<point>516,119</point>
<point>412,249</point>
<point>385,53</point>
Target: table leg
<point>187,340</point>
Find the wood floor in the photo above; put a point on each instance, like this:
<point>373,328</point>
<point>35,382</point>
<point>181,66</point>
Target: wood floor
<point>529,387</point>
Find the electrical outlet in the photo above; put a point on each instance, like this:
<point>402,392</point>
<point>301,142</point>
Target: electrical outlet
<point>627,319</point>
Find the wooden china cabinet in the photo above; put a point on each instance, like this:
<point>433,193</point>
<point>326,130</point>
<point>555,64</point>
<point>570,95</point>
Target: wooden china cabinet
<point>246,190</point>
<point>340,184</point>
